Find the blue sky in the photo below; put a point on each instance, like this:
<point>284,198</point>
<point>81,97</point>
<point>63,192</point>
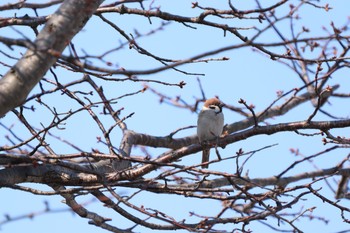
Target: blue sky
<point>247,74</point>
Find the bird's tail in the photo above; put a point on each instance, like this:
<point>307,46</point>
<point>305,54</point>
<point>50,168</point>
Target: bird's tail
<point>205,157</point>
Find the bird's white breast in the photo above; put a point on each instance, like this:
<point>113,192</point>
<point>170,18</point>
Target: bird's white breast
<point>210,124</point>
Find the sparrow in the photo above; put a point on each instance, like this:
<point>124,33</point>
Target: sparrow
<point>210,124</point>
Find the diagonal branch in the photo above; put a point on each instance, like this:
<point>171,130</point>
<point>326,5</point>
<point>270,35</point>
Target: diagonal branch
<point>48,46</point>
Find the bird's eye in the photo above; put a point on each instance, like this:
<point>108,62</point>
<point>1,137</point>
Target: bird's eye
<point>212,107</point>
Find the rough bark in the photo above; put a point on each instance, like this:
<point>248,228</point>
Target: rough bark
<point>62,26</point>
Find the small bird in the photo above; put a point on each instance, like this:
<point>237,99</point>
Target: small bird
<point>210,124</point>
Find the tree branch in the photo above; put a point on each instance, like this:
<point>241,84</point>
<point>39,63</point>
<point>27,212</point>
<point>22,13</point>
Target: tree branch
<point>67,21</point>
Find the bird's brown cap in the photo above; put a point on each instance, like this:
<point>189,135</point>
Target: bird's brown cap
<point>213,101</point>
